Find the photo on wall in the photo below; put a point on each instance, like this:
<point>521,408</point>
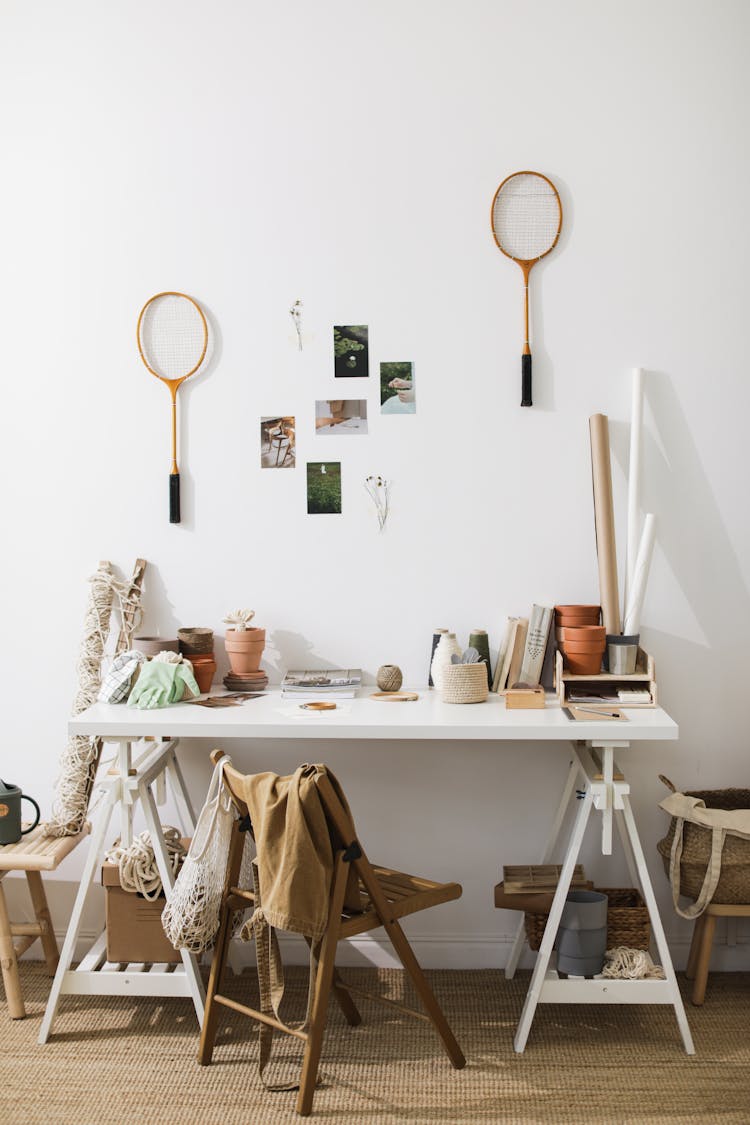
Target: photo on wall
<point>350,351</point>
<point>397,388</point>
<point>324,488</point>
<point>277,447</point>
<point>340,416</point>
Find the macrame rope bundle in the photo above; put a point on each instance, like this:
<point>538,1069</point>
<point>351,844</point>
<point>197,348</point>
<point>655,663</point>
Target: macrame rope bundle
<point>80,760</point>
<point>631,964</point>
<point>137,866</point>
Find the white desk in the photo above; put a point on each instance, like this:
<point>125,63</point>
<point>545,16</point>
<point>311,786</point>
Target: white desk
<point>270,717</point>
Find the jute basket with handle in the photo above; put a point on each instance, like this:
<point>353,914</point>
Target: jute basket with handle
<point>703,849</point>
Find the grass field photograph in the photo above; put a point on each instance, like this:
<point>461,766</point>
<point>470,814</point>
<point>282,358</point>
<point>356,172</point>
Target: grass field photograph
<point>324,488</point>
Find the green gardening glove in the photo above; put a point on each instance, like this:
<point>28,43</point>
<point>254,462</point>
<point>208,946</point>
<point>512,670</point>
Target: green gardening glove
<point>160,684</point>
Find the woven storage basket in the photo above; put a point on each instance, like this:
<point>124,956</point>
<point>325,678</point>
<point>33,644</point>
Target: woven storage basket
<point>627,920</point>
<point>734,882</point>
<point>195,640</point>
<point>464,683</point>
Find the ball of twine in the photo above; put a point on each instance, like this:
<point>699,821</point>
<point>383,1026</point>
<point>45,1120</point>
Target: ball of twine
<point>389,677</point>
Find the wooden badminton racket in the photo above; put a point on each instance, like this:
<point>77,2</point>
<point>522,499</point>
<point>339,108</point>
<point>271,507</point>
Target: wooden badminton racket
<point>172,339</point>
<point>526,223</point>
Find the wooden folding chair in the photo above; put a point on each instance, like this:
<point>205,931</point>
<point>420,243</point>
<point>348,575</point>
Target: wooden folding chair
<point>387,896</point>
<point>33,854</point>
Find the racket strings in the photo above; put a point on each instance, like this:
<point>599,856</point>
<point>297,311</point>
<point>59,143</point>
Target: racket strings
<point>172,336</point>
<point>526,217</point>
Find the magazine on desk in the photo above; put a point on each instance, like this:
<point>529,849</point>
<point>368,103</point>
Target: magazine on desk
<point>342,683</point>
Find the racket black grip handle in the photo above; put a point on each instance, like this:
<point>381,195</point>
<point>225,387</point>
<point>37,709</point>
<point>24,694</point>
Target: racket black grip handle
<point>526,380</point>
<point>174,497</point>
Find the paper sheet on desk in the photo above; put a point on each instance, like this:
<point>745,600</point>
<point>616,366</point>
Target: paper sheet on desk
<point>584,715</point>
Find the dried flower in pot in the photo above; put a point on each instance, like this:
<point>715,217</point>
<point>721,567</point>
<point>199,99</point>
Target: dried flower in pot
<point>244,643</point>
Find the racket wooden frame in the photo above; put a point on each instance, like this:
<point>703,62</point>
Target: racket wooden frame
<point>173,385</point>
<point>526,265</point>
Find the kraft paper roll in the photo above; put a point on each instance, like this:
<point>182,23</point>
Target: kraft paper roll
<point>604,519</point>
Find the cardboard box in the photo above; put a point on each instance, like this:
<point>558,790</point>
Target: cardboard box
<point>134,929</point>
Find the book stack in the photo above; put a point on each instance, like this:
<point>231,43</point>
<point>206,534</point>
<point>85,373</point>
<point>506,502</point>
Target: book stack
<point>328,683</point>
<point>526,654</point>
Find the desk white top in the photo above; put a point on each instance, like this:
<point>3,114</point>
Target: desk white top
<point>363,718</point>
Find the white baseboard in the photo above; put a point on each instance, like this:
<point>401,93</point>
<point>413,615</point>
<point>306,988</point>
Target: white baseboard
<point>441,951</point>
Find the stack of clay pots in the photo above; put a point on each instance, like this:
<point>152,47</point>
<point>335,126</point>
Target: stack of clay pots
<point>197,646</point>
<point>245,649</point>
<point>581,638</point>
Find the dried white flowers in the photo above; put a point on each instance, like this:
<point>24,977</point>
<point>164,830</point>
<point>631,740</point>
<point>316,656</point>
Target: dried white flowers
<point>239,619</point>
<point>296,314</point>
<point>378,489</point>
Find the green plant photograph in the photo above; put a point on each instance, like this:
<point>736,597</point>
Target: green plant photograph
<point>350,351</point>
<point>324,488</point>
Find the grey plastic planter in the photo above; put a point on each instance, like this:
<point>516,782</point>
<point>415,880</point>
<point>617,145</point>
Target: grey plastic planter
<point>582,936</point>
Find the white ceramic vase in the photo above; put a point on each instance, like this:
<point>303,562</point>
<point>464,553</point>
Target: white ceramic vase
<point>447,646</point>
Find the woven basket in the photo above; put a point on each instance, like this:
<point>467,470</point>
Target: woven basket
<point>464,683</point>
<point>734,882</point>
<point>195,640</point>
<point>627,920</point>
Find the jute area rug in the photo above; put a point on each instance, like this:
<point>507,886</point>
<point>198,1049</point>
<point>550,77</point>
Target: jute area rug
<point>115,1060</point>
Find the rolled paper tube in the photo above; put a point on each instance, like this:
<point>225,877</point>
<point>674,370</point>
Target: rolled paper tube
<point>640,575</point>
<point>604,519</point>
<point>634,481</point>
<point>481,642</point>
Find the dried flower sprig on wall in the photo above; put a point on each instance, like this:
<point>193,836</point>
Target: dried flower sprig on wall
<point>378,489</point>
<point>296,314</point>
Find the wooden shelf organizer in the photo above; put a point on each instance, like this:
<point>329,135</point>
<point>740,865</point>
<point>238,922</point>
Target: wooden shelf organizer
<point>643,677</point>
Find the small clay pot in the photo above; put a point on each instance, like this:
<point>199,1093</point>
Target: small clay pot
<point>204,668</point>
<point>577,615</point>
<point>584,664</point>
<point>389,677</point>
<point>583,646</point>
<point>581,633</point>
<point>244,649</point>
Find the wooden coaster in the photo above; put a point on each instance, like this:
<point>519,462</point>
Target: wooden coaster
<point>395,696</point>
<point>318,705</point>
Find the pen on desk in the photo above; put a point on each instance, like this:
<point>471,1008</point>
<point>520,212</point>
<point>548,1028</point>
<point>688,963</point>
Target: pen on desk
<point>595,711</point>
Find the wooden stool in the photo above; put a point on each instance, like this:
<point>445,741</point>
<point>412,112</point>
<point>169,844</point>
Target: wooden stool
<point>703,937</point>
<point>33,854</point>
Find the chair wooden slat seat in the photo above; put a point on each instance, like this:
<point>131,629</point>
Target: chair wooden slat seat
<point>387,895</point>
<point>32,854</point>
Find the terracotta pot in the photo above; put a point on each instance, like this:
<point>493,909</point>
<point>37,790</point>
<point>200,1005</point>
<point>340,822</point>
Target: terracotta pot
<point>583,646</point>
<point>204,668</point>
<point>581,633</point>
<point>244,649</point>
<point>577,615</point>
<point>584,664</point>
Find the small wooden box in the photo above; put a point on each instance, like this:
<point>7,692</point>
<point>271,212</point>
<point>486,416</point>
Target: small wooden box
<point>644,678</point>
<point>523,698</point>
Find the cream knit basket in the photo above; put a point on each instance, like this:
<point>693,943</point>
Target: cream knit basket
<point>464,683</point>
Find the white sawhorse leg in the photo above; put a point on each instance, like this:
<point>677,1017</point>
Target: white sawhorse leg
<point>124,788</point>
<point>610,796</point>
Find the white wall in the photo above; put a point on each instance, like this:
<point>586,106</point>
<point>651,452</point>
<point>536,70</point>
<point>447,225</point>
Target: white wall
<point>346,154</point>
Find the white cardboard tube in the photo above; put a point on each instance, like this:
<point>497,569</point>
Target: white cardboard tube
<point>640,576</point>
<point>634,483</point>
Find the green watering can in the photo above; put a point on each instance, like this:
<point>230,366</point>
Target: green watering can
<point>10,813</point>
